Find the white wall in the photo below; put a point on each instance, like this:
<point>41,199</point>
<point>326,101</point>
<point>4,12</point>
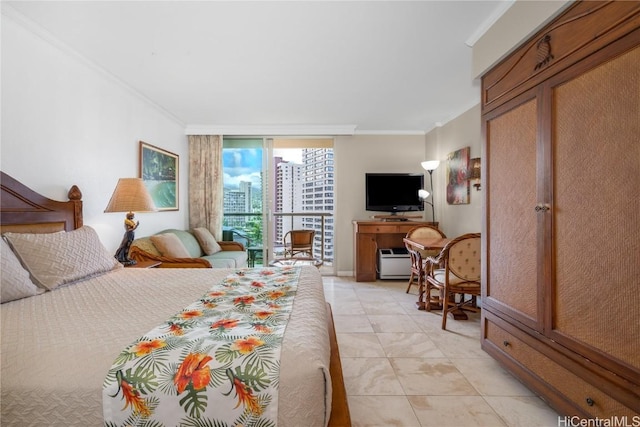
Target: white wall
<point>355,156</point>
<point>463,131</point>
<point>64,123</point>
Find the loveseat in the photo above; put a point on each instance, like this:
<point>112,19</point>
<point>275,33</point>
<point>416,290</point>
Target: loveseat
<point>188,249</point>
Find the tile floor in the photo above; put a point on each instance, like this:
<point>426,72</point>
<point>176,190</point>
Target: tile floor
<point>401,369</point>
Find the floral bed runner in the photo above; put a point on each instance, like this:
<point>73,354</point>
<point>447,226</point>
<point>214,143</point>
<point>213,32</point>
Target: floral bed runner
<point>214,363</point>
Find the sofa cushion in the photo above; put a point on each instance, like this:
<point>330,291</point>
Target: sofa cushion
<point>207,241</point>
<point>146,245</point>
<point>227,259</point>
<point>188,240</point>
<point>170,245</point>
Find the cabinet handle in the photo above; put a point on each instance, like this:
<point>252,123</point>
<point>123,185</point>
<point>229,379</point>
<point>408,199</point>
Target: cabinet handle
<point>506,343</point>
<point>590,401</point>
<point>542,207</point>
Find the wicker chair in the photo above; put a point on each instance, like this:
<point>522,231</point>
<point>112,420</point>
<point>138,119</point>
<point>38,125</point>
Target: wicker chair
<point>460,275</point>
<point>418,257</point>
<point>298,242</point>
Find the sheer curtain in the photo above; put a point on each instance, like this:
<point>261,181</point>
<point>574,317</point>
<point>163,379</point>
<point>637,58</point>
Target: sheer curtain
<point>206,183</point>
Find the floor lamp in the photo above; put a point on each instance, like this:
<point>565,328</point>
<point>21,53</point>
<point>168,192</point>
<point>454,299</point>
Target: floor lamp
<point>430,166</point>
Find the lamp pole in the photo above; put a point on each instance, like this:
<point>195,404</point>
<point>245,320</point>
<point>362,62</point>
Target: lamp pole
<point>433,211</point>
<point>430,166</point>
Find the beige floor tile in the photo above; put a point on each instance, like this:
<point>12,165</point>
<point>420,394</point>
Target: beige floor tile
<point>407,344</point>
<point>343,297</point>
<point>523,411</point>
<point>382,411</point>
<point>351,323</point>
<point>393,323</point>
<point>458,345</point>
<point>431,377</point>
<point>360,345</point>
<point>489,378</point>
<point>370,376</point>
<point>454,411</point>
<point>425,376</point>
<point>346,307</point>
<point>382,307</point>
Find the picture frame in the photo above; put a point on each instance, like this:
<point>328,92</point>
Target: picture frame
<point>457,179</point>
<point>159,169</point>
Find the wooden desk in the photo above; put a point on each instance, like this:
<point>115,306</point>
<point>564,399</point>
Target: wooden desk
<point>369,236</point>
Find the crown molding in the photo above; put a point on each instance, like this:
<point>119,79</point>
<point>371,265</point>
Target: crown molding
<point>409,132</point>
<point>271,130</point>
<point>484,27</point>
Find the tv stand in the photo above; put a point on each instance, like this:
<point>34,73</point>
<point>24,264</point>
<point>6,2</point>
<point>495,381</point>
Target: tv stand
<point>369,236</point>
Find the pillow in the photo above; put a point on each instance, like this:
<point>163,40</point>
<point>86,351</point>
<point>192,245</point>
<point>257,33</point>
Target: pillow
<point>170,246</point>
<point>207,241</point>
<point>15,282</point>
<point>54,259</point>
<point>145,244</point>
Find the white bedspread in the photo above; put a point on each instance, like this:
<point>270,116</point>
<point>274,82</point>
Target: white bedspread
<point>57,347</point>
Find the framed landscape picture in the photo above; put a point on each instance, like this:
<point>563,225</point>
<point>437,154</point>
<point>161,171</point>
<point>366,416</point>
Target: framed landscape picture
<point>159,171</point>
<point>457,182</point>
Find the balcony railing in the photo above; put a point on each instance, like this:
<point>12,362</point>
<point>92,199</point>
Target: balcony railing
<point>290,217</point>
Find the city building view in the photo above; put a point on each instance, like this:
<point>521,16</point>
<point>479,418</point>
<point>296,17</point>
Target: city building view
<point>303,198</point>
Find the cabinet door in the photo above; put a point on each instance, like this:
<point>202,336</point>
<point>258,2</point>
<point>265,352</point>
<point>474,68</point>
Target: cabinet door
<point>596,210</point>
<point>511,229</point>
<point>365,257</point>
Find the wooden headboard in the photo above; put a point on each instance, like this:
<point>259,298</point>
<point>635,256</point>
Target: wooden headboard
<point>23,210</point>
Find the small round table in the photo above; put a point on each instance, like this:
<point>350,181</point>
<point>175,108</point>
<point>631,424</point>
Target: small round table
<point>282,262</point>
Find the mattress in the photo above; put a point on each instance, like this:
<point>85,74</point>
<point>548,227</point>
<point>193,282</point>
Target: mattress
<point>57,347</point>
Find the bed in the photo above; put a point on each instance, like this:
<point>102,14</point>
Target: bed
<point>62,349</point>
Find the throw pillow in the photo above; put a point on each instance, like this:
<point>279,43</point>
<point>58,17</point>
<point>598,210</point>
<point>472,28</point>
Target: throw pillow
<point>54,259</point>
<point>15,281</point>
<point>169,245</point>
<point>207,241</point>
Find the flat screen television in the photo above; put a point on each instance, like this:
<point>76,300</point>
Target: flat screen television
<point>393,192</point>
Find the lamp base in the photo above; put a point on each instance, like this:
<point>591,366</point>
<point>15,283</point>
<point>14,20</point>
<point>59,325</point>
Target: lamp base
<point>122,254</point>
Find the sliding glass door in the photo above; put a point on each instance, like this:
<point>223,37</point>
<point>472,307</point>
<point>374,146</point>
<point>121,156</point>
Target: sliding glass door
<point>243,168</point>
<point>274,185</point>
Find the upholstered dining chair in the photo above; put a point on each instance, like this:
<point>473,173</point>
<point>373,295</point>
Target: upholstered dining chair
<point>460,274</point>
<point>418,257</point>
<point>298,242</point>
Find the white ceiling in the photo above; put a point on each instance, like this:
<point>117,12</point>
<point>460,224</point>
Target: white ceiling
<point>378,66</point>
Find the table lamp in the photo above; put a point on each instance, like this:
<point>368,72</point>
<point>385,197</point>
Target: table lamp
<point>130,195</point>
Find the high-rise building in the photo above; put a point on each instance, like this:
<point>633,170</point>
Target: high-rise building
<point>318,197</point>
<point>237,201</point>
<point>288,196</point>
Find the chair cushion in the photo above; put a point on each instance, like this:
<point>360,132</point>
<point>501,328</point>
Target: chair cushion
<point>207,241</point>
<point>439,275</point>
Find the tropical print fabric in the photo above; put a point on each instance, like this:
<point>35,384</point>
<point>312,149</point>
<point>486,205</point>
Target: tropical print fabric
<point>215,363</point>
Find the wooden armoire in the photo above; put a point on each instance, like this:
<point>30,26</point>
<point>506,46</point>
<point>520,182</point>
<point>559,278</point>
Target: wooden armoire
<point>561,234</point>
